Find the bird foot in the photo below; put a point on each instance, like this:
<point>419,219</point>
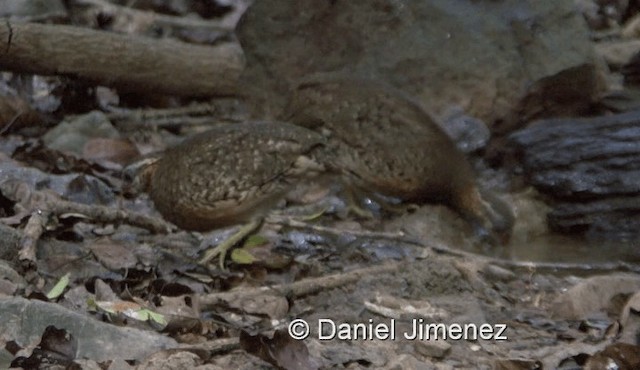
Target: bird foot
<point>221,249</point>
<point>356,209</point>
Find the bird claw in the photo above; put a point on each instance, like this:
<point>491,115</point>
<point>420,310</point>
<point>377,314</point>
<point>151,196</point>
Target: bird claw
<point>221,249</point>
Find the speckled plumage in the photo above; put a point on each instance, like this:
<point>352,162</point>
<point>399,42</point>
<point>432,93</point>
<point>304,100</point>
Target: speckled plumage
<point>386,142</point>
<point>232,173</point>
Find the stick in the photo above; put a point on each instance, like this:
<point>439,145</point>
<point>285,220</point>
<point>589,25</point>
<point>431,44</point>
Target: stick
<point>219,110</point>
<point>290,222</point>
<point>106,214</point>
<point>303,287</point>
<point>34,201</point>
<point>443,249</point>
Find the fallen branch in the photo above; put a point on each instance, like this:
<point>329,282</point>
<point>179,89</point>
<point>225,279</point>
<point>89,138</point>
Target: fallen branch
<point>214,347</point>
<point>129,63</point>
<point>40,202</point>
<point>288,221</point>
<point>223,110</point>
<point>110,215</point>
<point>32,232</point>
<point>300,288</point>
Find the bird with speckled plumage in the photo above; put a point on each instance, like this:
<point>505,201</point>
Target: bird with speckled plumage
<point>231,174</point>
<point>383,141</point>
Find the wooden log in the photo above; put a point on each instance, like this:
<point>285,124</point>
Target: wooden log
<point>590,168</point>
<point>128,63</point>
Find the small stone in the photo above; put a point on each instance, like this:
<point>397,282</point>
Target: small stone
<point>498,273</point>
<point>432,348</point>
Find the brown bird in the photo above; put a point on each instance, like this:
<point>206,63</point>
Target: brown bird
<point>384,141</point>
<point>231,174</point>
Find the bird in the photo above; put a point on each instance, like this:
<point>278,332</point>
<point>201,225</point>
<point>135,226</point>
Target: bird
<point>231,174</point>
<point>385,142</point>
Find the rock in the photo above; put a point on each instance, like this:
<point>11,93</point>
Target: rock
<point>484,56</point>
<point>9,243</point>
<point>469,133</point>
<point>602,14</point>
<point>591,167</point>
<point>85,189</point>
<point>629,319</point>
<point>516,364</point>
<point>437,348</point>
<point>24,321</point>
<point>497,273</point>
<point>407,362</point>
<point>617,52</point>
<point>176,361</point>
<point>71,136</point>
<point>592,295</point>
<point>606,218</point>
<point>631,28</point>
<point>39,9</point>
<point>631,70</point>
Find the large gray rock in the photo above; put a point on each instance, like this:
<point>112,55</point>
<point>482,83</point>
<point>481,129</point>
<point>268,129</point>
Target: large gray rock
<point>24,321</point>
<point>591,168</point>
<point>33,9</point>
<point>507,61</point>
<point>9,243</point>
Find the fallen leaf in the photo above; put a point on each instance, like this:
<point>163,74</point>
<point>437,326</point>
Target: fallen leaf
<point>119,151</point>
<point>113,255</point>
<point>242,256</point>
<point>59,288</point>
<point>129,309</point>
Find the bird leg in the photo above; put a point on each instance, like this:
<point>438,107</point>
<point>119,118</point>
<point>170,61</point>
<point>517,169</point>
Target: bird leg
<point>491,217</point>
<point>222,248</point>
<point>353,196</point>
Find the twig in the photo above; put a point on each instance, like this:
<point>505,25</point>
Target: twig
<point>544,266</point>
<point>194,114</point>
<point>111,215</point>
<point>32,232</point>
<point>397,236</point>
<point>401,237</point>
<point>301,288</point>
<point>214,347</point>
<point>44,203</point>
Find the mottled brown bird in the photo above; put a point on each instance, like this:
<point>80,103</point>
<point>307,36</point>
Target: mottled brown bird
<point>384,141</point>
<point>231,174</point>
